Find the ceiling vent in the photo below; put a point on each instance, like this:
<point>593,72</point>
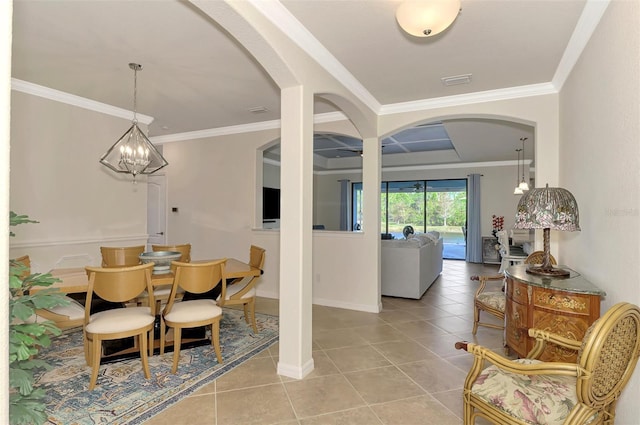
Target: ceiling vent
<point>258,109</point>
<point>457,79</point>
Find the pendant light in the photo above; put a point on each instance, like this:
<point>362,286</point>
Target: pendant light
<point>524,186</point>
<point>134,153</point>
<point>517,190</point>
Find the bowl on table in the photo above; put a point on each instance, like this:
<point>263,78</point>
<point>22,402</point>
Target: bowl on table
<point>161,259</point>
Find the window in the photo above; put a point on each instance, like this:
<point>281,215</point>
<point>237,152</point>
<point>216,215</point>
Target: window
<point>425,205</point>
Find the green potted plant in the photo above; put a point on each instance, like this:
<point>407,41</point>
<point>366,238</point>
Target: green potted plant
<point>26,337</point>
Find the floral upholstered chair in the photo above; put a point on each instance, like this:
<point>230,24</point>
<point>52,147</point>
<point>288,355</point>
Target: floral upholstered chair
<point>492,300</point>
<point>528,391</point>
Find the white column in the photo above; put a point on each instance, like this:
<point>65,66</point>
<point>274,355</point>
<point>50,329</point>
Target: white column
<point>371,179</point>
<point>296,217</point>
<point>6,11</point>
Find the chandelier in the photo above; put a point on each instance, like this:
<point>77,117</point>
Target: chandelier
<point>134,153</point>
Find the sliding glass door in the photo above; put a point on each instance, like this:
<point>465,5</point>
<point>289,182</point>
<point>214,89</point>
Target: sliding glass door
<point>425,205</point>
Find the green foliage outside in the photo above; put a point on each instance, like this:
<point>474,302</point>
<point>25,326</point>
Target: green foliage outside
<point>26,404</point>
<point>445,211</point>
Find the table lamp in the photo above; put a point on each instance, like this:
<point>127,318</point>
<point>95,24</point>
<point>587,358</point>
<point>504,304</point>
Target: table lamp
<point>548,208</point>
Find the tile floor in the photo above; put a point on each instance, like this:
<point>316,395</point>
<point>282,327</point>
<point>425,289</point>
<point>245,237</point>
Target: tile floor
<point>398,367</point>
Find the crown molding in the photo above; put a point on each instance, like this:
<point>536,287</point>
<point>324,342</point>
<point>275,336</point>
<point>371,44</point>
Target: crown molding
<point>280,16</point>
<point>586,26</point>
<point>470,98</point>
<point>241,128</point>
<point>80,102</point>
<point>215,132</point>
<point>447,166</point>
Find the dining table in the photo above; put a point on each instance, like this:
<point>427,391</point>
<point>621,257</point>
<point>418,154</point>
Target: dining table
<point>75,280</point>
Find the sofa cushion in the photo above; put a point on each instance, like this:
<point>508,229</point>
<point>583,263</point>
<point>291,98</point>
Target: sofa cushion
<point>433,235</point>
<point>402,243</point>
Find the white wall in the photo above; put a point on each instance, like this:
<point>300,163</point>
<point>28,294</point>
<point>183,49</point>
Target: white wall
<point>57,180</point>
<point>600,159</point>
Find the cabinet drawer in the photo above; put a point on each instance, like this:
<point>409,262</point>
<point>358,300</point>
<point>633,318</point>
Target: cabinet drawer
<point>563,302</point>
<point>517,291</point>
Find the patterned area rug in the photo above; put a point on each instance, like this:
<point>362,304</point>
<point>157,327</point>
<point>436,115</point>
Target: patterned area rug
<point>123,395</point>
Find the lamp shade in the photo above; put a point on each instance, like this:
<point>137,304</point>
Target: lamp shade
<point>425,18</point>
<point>548,208</point>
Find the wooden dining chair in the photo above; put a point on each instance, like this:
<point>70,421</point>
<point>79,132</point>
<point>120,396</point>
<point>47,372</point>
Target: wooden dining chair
<point>195,278</point>
<point>184,249</point>
<point>121,256</point>
<point>161,293</point>
<point>118,285</point>
<point>242,291</point>
<point>66,316</point>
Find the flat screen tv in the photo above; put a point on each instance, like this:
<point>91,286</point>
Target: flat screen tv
<point>270,203</point>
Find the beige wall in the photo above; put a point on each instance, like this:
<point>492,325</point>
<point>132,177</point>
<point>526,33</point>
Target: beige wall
<point>56,179</point>
<point>600,159</point>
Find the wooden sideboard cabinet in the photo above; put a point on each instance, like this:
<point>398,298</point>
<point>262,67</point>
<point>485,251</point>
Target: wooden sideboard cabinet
<point>565,306</point>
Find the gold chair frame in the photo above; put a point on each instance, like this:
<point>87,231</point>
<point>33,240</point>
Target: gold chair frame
<point>479,300</point>
<point>119,284</point>
<point>121,256</point>
<point>607,357</point>
<point>184,249</point>
<point>62,321</point>
<point>256,259</point>
<point>196,278</point>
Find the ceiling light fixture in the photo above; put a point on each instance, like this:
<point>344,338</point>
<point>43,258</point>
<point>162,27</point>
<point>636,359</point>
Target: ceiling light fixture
<point>426,18</point>
<point>134,153</point>
<point>517,190</point>
<point>524,186</point>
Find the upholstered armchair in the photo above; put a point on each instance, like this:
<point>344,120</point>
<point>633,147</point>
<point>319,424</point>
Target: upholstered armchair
<point>492,299</point>
<point>528,391</point>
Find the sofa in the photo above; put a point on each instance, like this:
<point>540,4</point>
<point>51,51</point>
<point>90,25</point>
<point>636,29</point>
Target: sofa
<point>410,266</point>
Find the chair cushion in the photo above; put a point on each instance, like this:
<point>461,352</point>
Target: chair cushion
<point>193,311</point>
<point>74,310</point>
<point>493,299</point>
<point>119,320</point>
<point>234,289</point>
<point>535,399</point>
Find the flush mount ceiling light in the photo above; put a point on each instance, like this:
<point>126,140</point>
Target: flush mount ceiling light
<point>134,153</point>
<point>426,18</point>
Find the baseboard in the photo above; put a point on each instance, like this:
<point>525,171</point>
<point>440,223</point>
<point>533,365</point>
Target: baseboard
<point>369,308</point>
<point>296,372</point>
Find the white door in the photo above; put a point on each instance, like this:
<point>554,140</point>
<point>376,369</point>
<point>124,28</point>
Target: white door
<point>157,209</point>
